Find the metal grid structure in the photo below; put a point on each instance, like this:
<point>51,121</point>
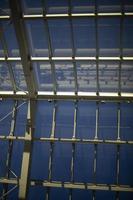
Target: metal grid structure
<point>74,62</point>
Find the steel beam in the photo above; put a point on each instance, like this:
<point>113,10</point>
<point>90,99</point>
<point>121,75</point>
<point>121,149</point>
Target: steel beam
<point>26,160</point>
<point>20,30</point>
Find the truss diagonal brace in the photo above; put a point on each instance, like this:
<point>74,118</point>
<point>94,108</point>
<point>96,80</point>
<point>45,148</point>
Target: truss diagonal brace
<point>20,30</point>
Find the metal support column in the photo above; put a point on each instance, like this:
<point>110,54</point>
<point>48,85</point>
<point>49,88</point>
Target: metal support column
<point>26,160</point>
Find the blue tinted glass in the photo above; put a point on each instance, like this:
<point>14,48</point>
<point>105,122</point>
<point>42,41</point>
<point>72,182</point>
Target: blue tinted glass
<point>4,7</point>
<point>60,37</point>
<point>107,121</point>
<point>3,157</point>
<point>44,116</point>
<point>83,163</point>
<point>59,193</point>
<point>65,76</point>
<point>126,195</point>
<point>43,75</point>
<point>86,120</point>
<point>83,6</point>
<point>40,161</point>
<point>106,164</point>
<point>6,107</point>
<point>10,37</point>
<point>19,75</point>
<point>127,77</point>
<point>127,37</point>
<point>59,6</point>
<point>1,50</point>
<point>126,122</point>
<point>126,165</point>
<point>38,44</point>
<point>108,76</point>
<point>81,194</point>
<point>16,161</point>
<point>14,194</point>
<point>37,192</point>
<point>61,162</point>
<point>86,75</point>
<point>64,119</point>
<point>32,6</point>
<point>109,6</point>
<point>5,82</point>
<point>109,36</point>
<point>84,37</point>
<point>104,195</point>
<point>21,119</point>
<point>128,5</point>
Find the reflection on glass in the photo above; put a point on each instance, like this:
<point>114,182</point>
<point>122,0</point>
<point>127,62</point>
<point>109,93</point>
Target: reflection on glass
<point>128,5</point>
<point>32,6</point>
<point>4,7</point>
<point>43,75</point>
<point>19,75</point>
<point>10,37</point>
<point>60,37</point>
<point>108,76</point>
<point>128,37</point>
<point>5,82</point>
<point>109,36</point>
<point>83,6</point>
<point>1,50</point>
<point>37,37</point>
<point>86,75</point>
<point>109,6</point>
<point>127,77</point>
<point>65,76</point>
<point>60,6</point>
<point>84,37</point>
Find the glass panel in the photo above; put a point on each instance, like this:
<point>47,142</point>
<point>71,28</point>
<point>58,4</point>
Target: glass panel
<point>65,76</point>
<point>108,76</point>
<point>17,153</point>
<point>37,192</point>
<point>3,156</point>
<point>81,194</point>
<point>37,34</point>
<point>64,119</point>
<point>83,163</point>
<point>43,75</point>
<point>83,6</point>
<point>32,6</point>
<point>11,40</point>
<point>56,7</point>
<point>86,75</point>
<point>61,160</point>
<point>109,6</point>
<point>109,36</point>
<point>5,82</point>
<point>84,37</point>
<point>86,120</point>
<point>128,37</point>
<point>21,119</point>
<point>4,7</point>
<point>126,121</point>
<point>6,107</point>
<point>44,117</point>
<point>106,164</point>
<point>104,195</point>
<point>126,165</point>
<point>60,37</point>
<point>14,193</point>
<point>59,193</point>
<point>1,50</point>
<point>128,5</point>
<point>108,121</point>
<point>19,75</point>
<point>127,77</point>
<point>126,195</point>
<point>40,160</point>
